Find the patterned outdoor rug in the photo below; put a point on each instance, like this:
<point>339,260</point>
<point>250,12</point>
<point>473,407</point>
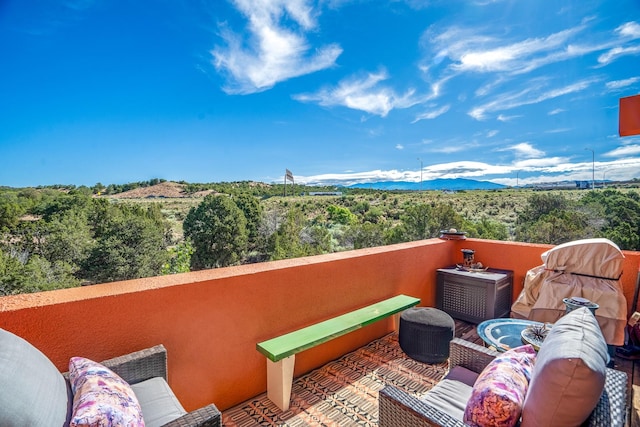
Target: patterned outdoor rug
<point>344,392</point>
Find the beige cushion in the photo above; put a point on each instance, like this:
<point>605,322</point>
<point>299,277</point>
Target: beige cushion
<point>569,374</point>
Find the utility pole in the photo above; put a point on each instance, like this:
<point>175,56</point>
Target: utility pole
<point>593,168</point>
<point>420,173</point>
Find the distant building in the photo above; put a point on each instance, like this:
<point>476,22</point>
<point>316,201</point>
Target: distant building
<point>325,193</point>
<point>583,185</point>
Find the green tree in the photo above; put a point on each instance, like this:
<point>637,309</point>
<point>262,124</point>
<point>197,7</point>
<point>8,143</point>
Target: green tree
<point>555,228</point>
<point>619,216</point>
<point>179,258</point>
<point>34,275</point>
<point>542,204</point>
<point>486,229</point>
<point>69,238</point>
<point>340,215</point>
<point>417,222</point>
<point>444,217</point>
<point>366,235</point>
<point>296,238</point>
<point>10,210</point>
<point>252,210</point>
<point>130,244</point>
<point>217,228</point>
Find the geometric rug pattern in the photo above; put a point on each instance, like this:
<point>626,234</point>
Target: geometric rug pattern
<point>343,392</point>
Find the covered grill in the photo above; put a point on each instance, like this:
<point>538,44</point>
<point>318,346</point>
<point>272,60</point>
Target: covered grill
<point>589,268</point>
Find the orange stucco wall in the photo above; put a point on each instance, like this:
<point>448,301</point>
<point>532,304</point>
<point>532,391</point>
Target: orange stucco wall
<point>210,321</point>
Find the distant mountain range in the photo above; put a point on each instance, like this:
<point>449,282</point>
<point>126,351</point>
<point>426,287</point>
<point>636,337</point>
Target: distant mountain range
<point>435,184</point>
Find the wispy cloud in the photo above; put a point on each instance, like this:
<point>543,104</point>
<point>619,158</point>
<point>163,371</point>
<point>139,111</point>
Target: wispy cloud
<point>626,33</point>
<point>273,52</point>
<point>626,150</point>
<point>533,94</point>
<point>543,164</point>
<point>430,115</point>
<point>619,84</point>
<point>399,147</point>
<point>617,52</point>
<point>558,130</point>
<point>556,111</point>
<point>364,94</point>
<point>477,50</point>
<point>504,119</point>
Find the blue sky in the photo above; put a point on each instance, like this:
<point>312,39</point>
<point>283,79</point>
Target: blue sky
<point>337,91</point>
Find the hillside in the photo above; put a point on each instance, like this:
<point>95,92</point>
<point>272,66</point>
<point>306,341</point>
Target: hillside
<point>163,190</point>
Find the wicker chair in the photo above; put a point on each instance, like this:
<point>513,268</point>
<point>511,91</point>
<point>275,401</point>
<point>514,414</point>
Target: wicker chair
<point>397,408</point>
<point>34,392</point>
<point>152,362</point>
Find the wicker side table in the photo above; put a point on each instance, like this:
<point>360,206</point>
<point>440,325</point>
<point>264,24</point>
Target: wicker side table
<point>425,333</point>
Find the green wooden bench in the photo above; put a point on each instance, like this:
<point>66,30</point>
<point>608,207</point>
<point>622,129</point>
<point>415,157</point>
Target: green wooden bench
<point>280,351</point>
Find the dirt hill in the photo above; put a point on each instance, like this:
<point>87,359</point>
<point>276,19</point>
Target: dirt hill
<point>164,190</point>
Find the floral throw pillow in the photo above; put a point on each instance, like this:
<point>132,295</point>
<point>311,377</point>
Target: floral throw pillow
<point>499,392</point>
<point>100,397</point>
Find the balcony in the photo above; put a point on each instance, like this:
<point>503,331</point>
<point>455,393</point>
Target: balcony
<point>210,321</point>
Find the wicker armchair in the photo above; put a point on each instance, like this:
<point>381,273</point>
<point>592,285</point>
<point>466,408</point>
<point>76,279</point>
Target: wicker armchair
<point>34,392</point>
<point>397,408</point>
<point>152,362</point>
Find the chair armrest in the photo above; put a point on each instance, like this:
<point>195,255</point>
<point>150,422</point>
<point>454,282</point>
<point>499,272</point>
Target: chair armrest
<point>398,408</point>
<point>469,355</point>
<point>207,416</point>
<point>140,365</point>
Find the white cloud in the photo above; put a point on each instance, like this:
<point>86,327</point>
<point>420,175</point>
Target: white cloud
<point>463,169</point>
<point>629,29</point>
<point>274,52</point>
<point>625,32</point>
<point>470,50</point>
<point>615,53</point>
<point>626,150</point>
<point>449,148</point>
<point>619,84</point>
<point>399,147</point>
<point>533,94</point>
<point>492,133</point>
<point>503,118</point>
<point>542,164</point>
<point>363,94</point>
<point>429,115</point>
<point>524,149</point>
<point>551,169</point>
<point>556,111</point>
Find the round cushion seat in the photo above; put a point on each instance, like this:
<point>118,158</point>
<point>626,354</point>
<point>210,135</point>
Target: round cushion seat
<point>425,333</point>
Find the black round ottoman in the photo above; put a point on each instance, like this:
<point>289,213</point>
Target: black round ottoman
<point>425,333</point>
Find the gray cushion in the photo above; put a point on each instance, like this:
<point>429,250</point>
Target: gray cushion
<point>569,373</point>
<point>159,404</point>
<point>32,391</point>
<point>450,397</point>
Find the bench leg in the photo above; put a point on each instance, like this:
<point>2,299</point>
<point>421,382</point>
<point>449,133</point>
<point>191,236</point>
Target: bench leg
<point>396,322</point>
<point>280,380</point>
